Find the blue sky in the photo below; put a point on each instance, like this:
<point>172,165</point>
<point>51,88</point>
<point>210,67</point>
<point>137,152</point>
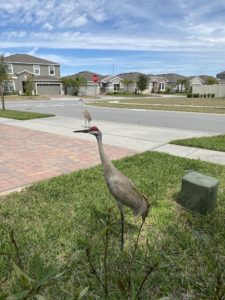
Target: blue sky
<point>149,36</point>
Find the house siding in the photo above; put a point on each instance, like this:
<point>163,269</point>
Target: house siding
<point>44,71</point>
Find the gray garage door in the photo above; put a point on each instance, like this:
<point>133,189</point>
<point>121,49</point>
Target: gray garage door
<point>48,89</point>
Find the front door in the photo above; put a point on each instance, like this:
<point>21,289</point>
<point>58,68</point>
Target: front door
<point>24,87</point>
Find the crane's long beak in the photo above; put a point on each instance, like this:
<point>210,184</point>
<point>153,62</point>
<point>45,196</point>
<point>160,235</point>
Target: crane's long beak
<point>84,130</point>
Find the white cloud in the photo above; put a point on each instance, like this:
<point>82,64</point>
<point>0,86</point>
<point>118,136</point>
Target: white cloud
<point>195,26</point>
<point>71,39</point>
<point>47,26</point>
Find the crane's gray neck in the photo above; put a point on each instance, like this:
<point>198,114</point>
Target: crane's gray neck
<point>106,163</point>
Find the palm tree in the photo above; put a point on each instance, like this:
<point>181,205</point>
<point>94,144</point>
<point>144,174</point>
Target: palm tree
<point>126,82</point>
<point>66,81</point>
<point>77,82</point>
<point>184,84</point>
<point>3,76</point>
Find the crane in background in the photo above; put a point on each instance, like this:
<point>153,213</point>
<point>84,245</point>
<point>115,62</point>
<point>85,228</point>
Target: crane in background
<point>86,114</point>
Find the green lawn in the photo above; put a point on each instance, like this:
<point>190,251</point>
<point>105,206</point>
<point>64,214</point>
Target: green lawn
<point>179,254</point>
<point>203,105</point>
<point>22,115</point>
<point>212,143</point>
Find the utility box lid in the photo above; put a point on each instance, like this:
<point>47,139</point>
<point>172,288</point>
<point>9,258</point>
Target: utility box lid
<point>199,192</point>
<point>200,179</point>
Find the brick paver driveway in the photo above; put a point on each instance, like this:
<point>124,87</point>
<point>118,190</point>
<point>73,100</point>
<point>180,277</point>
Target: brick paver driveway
<point>27,156</point>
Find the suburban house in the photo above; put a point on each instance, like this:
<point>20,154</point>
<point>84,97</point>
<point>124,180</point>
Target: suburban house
<point>44,74</point>
<point>157,84</point>
<point>92,86</point>
<point>196,80</point>
<point>174,82</point>
<point>111,84</point>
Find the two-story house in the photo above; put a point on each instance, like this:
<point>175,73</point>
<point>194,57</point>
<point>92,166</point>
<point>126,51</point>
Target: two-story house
<point>45,75</point>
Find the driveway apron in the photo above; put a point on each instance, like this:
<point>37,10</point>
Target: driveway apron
<point>28,156</point>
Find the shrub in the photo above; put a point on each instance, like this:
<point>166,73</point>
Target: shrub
<point>212,95</point>
<point>189,95</point>
<point>195,95</point>
<point>204,95</point>
<point>208,95</point>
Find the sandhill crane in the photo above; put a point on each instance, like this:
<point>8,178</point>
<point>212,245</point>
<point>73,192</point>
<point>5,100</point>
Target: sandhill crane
<point>86,114</point>
<point>121,187</point>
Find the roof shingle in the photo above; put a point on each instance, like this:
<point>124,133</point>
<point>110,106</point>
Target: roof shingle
<point>27,59</point>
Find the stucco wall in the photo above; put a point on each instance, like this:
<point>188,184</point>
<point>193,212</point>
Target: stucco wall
<point>217,89</point>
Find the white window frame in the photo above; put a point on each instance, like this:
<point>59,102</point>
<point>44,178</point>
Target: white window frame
<point>12,84</point>
<point>49,70</point>
<point>9,68</point>
<point>116,87</point>
<point>36,68</point>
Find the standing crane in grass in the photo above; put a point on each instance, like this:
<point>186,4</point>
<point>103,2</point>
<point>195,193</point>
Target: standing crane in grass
<point>86,114</point>
<point>121,187</point>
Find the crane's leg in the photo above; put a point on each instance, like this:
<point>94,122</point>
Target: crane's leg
<point>120,205</point>
<point>122,229</point>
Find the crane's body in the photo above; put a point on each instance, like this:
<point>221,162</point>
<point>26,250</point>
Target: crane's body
<point>86,114</point>
<point>121,187</point>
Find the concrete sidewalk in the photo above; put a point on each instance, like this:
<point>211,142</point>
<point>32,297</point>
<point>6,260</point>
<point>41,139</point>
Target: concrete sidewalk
<point>48,147</point>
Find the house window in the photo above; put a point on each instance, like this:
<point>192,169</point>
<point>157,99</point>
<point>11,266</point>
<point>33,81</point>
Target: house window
<point>36,69</point>
<point>161,86</point>
<point>9,68</point>
<point>51,70</point>
<point>116,87</point>
<point>9,86</point>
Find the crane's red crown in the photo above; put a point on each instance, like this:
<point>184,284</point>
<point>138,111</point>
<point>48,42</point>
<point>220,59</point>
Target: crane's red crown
<point>94,128</point>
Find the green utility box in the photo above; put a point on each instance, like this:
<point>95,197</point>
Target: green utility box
<point>199,192</point>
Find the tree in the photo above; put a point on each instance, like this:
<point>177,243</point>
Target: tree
<point>77,82</point>
<point>3,76</point>
<point>211,80</point>
<point>29,85</point>
<point>66,81</point>
<point>126,82</point>
<point>142,82</point>
<point>184,85</point>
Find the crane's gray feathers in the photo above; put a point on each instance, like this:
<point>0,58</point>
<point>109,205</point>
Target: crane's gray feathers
<point>86,114</point>
<point>125,192</point>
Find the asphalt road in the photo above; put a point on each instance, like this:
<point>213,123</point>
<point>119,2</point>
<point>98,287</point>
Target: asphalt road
<point>214,123</point>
